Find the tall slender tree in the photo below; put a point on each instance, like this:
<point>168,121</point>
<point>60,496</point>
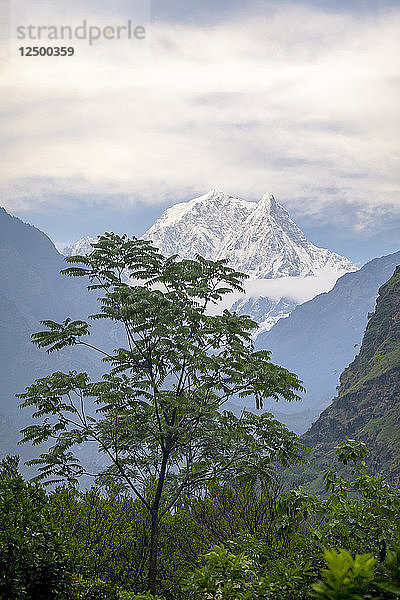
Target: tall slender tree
<point>159,417</point>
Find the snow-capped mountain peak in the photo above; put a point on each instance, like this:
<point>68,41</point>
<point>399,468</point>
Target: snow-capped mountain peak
<point>268,201</point>
<point>258,238</point>
<point>201,225</point>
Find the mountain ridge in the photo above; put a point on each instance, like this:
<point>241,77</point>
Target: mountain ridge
<point>368,401</point>
<point>32,289</point>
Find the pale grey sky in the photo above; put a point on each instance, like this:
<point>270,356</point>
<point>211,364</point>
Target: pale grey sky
<point>298,99</point>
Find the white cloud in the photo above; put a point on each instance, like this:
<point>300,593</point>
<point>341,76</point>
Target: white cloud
<point>298,102</point>
<point>299,289</point>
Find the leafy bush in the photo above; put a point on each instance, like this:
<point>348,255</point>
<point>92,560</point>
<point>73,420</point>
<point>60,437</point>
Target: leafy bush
<point>35,557</point>
<point>111,530</point>
<point>224,576</point>
<point>346,578</point>
<point>227,576</point>
<point>92,589</point>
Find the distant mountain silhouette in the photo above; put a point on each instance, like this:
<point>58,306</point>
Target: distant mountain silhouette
<point>32,289</point>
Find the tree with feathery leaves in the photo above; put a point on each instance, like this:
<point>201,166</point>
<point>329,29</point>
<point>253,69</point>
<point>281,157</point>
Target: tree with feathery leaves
<point>159,417</point>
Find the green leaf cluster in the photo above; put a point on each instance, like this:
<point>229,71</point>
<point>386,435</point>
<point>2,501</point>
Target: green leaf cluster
<point>35,557</point>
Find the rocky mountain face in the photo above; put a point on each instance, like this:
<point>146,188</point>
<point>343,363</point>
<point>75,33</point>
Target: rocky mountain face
<point>258,238</point>
<point>367,407</point>
<point>322,336</point>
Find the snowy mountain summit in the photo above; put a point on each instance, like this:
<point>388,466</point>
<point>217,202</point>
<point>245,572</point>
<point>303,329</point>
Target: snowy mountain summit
<point>258,238</point>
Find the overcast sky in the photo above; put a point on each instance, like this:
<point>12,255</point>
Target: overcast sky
<point>297,99</point>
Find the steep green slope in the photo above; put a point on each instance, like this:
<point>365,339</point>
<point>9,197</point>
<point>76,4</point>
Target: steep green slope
<point>381,344</point>
<point>321,337</point>
<point>368,404</point>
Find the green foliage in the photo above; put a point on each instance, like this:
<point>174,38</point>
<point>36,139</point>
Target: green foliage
<point>352,451</point>
<point>362,514</point>
<point>346,578</point>
<point>387,581</point>
<point>296,510</point>
<point>60,335</point>
<point>35,557</point>
<point>359,578</point>
<point>227,576</point>
<point>265,544</point>
<point>92,589</point>
<point>111,530</point>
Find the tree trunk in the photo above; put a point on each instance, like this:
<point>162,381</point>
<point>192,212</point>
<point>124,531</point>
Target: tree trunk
<point>155,529</point>
<point>155,525</point>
